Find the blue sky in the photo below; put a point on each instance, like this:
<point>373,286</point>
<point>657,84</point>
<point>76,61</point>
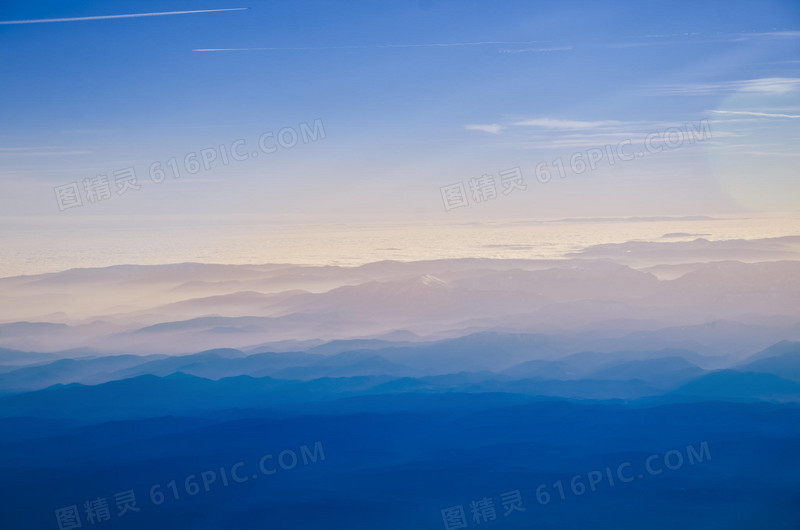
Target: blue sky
<point>414,96</point>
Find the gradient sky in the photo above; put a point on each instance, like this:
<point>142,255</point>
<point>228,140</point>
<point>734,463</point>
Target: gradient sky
<point>414,95</point>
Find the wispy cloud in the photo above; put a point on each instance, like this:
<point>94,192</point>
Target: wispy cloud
<point>109,17</point>
<point>756,114</point>
<point>552,133</point>
<point>766,85</point>
<point>493,128</point>
<point>548,123</point>
<point>771,85</point>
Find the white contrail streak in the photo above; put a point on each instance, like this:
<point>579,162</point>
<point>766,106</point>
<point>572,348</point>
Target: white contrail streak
<point>107,17</point>
<point>367,47</point>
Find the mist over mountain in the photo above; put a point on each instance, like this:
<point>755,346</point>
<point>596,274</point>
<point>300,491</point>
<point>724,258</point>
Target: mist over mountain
<point>415,386</point>
<point>153,311</point>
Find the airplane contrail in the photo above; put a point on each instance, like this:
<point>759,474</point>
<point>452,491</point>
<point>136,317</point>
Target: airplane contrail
<point>367,47</point>
<point>107,17</point>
